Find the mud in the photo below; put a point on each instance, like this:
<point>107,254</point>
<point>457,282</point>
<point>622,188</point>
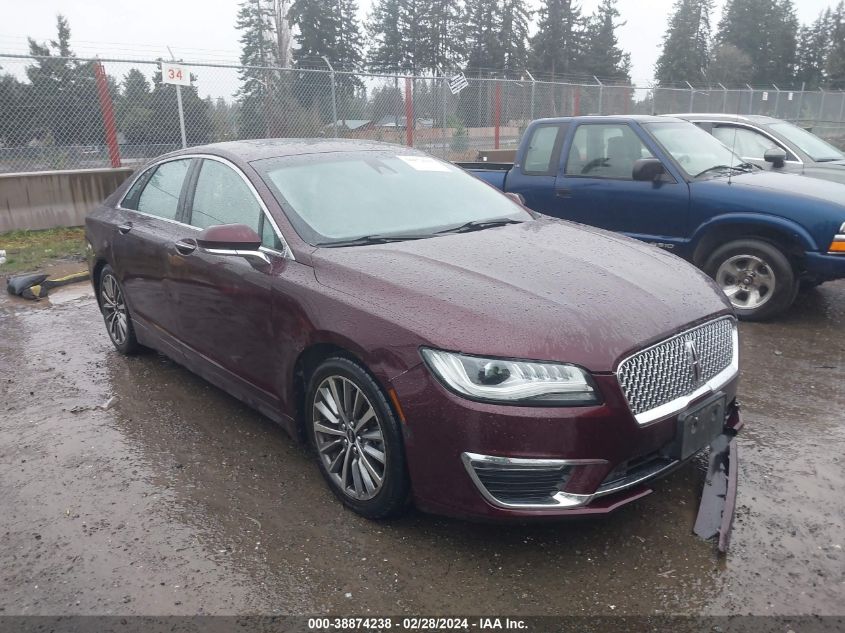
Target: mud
<point>128,485</point>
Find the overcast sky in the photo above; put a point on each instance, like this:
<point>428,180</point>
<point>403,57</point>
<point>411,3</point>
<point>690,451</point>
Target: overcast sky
<point>204,29</point>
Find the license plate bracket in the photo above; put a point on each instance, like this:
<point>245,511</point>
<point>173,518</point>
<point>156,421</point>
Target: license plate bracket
<point>698,427</point>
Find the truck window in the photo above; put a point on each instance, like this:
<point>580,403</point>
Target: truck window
<point>605,150</point>
<point>540,153</point>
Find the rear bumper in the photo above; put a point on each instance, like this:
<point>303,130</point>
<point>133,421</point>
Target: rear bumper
<point>608,458</point>
<point>825,267</point>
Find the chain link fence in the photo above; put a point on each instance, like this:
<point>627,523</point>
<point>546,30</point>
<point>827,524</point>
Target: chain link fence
<point>80,113</point>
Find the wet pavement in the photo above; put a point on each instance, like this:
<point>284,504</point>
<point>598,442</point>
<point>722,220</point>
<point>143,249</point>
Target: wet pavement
<point>131,486</point>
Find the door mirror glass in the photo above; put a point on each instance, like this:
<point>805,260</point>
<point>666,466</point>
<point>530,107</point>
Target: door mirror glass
<point>648,170</point>
<point>776,156</point>
<point>229,237</point>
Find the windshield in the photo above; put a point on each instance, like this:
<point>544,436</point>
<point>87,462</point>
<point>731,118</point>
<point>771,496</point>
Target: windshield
<point>343,196</point>
<point>696,151</point>
<point>817,149</point>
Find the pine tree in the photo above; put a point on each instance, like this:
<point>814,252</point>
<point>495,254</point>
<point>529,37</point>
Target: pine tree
<point>256,95</point>
<point>134,115</point>
<point>813,45</point>
<point>444,19</point>
<point>558,45</point>
<point>327,29</point>
<point>386,53</point>
<point>602,55</point>
<point>836,56</point>
<point>513,36</point>
<point>686,43</point>
<point>68,105</point>
<point>766,31</point>
<point>481,36</point>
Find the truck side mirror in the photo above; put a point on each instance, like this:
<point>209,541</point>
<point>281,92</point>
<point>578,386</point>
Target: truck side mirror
<point>776,156</point>
<point>648,170</point>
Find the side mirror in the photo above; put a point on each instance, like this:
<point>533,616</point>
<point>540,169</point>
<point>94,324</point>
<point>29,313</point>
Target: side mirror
<point>648,170</point>
<point>516,197</point>
<point>776,156</point>
<point>231,239</point>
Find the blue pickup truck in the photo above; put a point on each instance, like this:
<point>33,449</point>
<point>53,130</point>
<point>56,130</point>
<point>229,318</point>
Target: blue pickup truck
<point>760,235</point>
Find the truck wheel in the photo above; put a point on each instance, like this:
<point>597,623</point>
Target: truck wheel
<point>756,277</point>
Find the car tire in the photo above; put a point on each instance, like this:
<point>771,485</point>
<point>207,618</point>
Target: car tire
<point>755,275</point>
<point>112,300</point>
<point>357,439</point>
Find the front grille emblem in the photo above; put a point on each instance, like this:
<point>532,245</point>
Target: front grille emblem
<point>694,362</point>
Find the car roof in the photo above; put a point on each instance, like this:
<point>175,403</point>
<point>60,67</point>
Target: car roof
<point>721,116</point>
<point>641,118</point>
<point>257,149</point>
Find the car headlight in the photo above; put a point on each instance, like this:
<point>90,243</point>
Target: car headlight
<point>512,381</point>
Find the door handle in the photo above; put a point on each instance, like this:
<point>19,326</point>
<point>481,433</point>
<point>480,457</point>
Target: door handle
<point>123,229</point>
<point>563,193</point>
<point>186,246</point>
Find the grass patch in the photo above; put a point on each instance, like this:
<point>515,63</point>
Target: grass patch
<point>29,250</point>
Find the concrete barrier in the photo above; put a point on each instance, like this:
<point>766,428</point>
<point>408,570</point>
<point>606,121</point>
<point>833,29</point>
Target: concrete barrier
<point>48,199</point>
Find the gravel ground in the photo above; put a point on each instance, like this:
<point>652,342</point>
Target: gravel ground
<point>130,486</point>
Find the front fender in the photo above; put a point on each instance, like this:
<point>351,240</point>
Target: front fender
<point>764,221</point>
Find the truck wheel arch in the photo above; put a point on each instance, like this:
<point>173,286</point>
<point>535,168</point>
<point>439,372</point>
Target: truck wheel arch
<point>791,238</point>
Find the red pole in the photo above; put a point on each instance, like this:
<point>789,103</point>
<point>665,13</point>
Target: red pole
<point>577,104</point>
<point>109,125</point>
<point>497,114</point>
<point>409,113</point>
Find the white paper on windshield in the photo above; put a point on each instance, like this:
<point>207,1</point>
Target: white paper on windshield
<point>423,163</point>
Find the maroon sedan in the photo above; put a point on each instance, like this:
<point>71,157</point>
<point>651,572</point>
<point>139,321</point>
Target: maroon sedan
<point>432,339</point>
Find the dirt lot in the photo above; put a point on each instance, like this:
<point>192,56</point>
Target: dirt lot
<point>177,499</point>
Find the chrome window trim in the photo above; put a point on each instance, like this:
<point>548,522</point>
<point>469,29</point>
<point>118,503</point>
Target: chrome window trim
<point>753,127</point>
<point>718,381</point>
<point>288,253</point>
<point>563,500</point>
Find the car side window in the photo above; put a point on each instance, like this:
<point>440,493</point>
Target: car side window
<point>744,142</point>
<point>268,235</point>
<point>222,197</point>
<point>540,153</point>
<point>160,196</point>
<point>606,150</point>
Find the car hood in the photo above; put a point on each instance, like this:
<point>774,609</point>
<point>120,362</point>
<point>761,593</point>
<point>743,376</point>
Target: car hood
<point>790,183</point>
<point>543,290</point>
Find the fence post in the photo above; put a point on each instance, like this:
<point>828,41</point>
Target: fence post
<point>334,96</point>
<point>577,104</point>
<point>777,99</point>
<point>841,108</point>
<point>409,113</point>
<point>724,99</point>
<point>533,86</point>
<point>443,85</point>
<point>801,101</point>
<point>820,118</point>
<point>750,99</point>
<point>497,114</point>
<point>601,92</point>
<point>107,110</point>
<point>179,107</point>
<point>691,97</point>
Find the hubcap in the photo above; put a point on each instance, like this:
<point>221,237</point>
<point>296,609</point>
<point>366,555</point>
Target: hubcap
<point>114,310</point>
<point>747,280</point>
<point>349,438</point>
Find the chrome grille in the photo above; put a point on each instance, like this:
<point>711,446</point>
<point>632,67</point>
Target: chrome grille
<point>667,371</point>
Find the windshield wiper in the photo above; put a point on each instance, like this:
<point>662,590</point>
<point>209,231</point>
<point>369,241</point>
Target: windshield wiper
<point>744,167</point>
<point>374,239</point>
<point>477,225</point>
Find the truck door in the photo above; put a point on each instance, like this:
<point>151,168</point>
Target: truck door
<point>533,173</point>
<point>594,186</point>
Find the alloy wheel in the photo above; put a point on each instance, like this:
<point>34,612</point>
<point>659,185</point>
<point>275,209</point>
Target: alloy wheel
<point>349,438</point>
<point>747,280</point>
<point>114,309</point>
